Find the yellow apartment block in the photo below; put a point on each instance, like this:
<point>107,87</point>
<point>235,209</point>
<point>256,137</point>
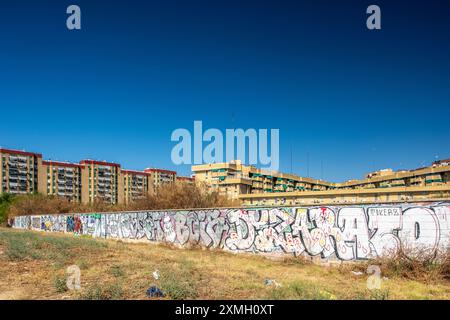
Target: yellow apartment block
<point>19,171</point>
<point>136,185</point>
<point>349,196</point>
<point>234,179</point>
<point>100,181</point>
<point>60,179</point>
<point>161,177</point>
<point>254,186</point>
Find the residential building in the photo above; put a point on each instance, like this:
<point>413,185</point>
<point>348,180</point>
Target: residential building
<point>182,179</point>
<point>161,177</point>
<point>234,178</point>
<point>90,180</point>
<point>100,182</point>
<point>19,171</point>
<point>136,185</point>
<point>349,196</point>
<point>60,179</point>
<point>256,186</point>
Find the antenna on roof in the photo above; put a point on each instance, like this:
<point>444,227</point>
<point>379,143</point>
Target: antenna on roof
<point>321,169</point>
<point>307,164</point>
<point>291,158</point>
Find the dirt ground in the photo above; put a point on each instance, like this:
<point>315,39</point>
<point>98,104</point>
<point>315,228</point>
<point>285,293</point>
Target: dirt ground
<point>33,265</point>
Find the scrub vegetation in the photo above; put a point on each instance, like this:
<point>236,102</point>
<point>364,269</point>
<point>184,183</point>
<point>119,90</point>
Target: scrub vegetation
<point>34,264</point>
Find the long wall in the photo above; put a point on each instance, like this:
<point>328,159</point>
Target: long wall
<point>341,232</point>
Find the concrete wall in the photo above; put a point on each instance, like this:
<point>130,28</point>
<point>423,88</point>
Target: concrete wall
<point>341,232</point>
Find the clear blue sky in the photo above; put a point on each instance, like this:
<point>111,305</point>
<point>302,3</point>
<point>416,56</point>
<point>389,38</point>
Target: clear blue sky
<point>353,99</point>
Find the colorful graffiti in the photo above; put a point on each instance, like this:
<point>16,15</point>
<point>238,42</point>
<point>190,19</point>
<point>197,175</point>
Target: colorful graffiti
<point>345,233</point>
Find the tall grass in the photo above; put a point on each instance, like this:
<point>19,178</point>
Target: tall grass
<point>177,196</point>
<point>407,263</point>
<point>23,245</point>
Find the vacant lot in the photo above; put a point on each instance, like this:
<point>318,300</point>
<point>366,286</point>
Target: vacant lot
<point>33,266</point>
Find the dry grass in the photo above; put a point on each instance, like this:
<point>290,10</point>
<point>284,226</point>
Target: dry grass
<point>33,264</point>
<point>421,266</point>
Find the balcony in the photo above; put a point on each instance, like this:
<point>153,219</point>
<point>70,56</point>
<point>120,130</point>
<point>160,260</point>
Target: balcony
<point>398,183</point>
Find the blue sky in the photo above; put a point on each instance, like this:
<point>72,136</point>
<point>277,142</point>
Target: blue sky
<point>349,99</point>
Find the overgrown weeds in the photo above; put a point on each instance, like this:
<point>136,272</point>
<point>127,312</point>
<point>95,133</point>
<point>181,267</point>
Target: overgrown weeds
<point>26,245</point>
<point>171,196</point>
<point>412,264</point>
<point>301,291</point>
<point>179,283</point>
<point>60,284</point>
<point>116,271</point>
<point>111,291</point>
<point>419,266</point>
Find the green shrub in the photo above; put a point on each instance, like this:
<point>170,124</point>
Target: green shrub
<point>6,200</point>
<point>60,284</point>
<point>106,292</point>
<point>379,295</point>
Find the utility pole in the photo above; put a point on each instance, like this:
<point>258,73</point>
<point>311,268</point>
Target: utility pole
<point>291,158</point>
<point>321,169</point>
<point>307,164</point>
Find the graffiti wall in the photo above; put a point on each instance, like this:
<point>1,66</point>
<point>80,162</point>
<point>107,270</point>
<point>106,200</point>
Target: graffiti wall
<point>345,233</point>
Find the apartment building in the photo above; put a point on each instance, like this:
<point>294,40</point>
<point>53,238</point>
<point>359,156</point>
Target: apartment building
<point>161,177</point>
<point>349,196</point>
<point>258,187</point>
<point>136,185</point>
<point>60,179</point>
<point>87,181</point>
<point>100,181</point>
<point>19,171</point>
<point>182,179</point>
<point>234,178</point>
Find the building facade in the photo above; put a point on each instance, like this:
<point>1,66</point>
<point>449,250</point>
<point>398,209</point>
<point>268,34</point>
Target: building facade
<point>19,171</point>
<point>189,180</point>
<point>100,181</point>
<point>254,186</point>
<point>234,179</point>
<point>161,177</point>
<point>60,179</point>
<point>136,185</point>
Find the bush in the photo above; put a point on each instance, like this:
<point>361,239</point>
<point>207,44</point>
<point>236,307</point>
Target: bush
<point>183,196</point>
<point>60,284</point>
<point>414,264</point>
<point>6,200</point>
<point>176,196</point>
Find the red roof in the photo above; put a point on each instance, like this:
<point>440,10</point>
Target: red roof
<point>101,163</point>
<point>60,164</point>
<point>160,171</point>
<point>135,172</point>
<point>22,153</point>
<point>185,178</point>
